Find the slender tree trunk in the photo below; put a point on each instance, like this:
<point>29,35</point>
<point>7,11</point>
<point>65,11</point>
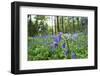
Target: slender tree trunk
<point>30,25</point>
<point>58,23</point>
<point>73,25</point>
<point>55,24</point>
<point>62,25</point>
<point>78,24</point>
<point>68,25</point>
<point>52,24</point>
<point>37,26</point>
<point>81,25</point>
<point>29,16</point>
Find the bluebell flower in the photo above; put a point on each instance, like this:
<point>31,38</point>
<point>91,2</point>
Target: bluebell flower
<point>60,33</point>
<point>55,44</point>
<point>59,36</point>
<point>64,45</point>
<point>73,55</point>
<point>56,39</point>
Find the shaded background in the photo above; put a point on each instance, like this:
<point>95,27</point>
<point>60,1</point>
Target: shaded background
<point>39,25</point>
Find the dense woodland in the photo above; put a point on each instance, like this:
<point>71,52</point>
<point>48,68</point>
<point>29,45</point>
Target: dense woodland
<point>43,25</point>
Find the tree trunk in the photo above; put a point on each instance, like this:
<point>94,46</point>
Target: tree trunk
<point>62,25</point>
<point>58,23</point>
<point>68,25</point>
<point>73,25</point>
<point>52,24</point>
<point>78,24</point>
<point>55,24</point>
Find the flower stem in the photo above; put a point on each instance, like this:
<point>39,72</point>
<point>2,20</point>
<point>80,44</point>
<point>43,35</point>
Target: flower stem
<point>69,51</point>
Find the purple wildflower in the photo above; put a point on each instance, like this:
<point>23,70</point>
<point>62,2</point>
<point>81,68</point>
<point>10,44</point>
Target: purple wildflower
<point>55,44</point>
<point>60,33</point>
<point>64,45</point>
<point>56,39</point>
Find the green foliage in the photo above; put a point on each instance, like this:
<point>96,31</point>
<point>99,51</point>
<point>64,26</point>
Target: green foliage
<point>40,49</point>
<point>38,26</point>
